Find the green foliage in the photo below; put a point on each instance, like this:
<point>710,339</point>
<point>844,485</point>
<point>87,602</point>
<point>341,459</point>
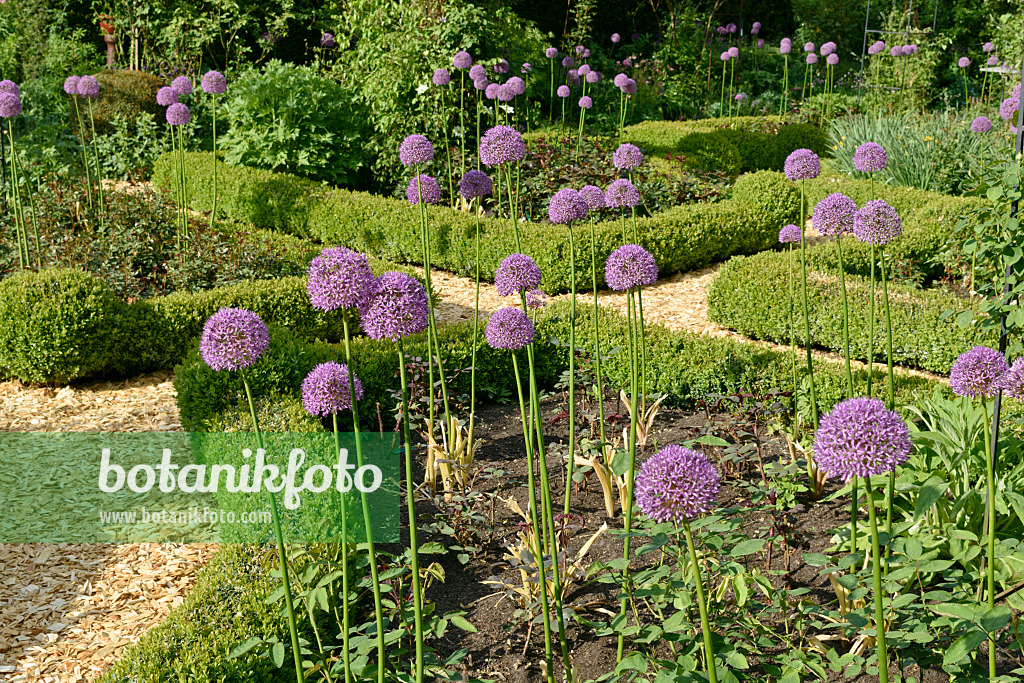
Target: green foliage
<point>130,94</point>
<point>129,151</point>
<point>898,83</point>
<point>288,118</point>
<point>841,21</point>
<point>58,325</point>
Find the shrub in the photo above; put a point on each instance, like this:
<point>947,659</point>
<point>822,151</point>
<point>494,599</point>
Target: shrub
<point>58,325</point>
<point>127,93</point>
<point>711,151</point>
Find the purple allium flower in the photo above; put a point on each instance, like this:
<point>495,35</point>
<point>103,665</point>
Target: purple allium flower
<point>568,62</point>
<point>441,77</point>
<point>325,389</point>
<point>593,77</point>
<point>526,68</point>
<point>722,30</point>
<point>572,77</point>
<point>802,164</point>
<point>583,70</point>
<point>725,56</point>
<point>501,67</point>
<point>475,184</point>
<point>415,149</point>
<point>760,43</point>
<point>812,59</point>
<point>327,40</point>
<point>988,47</point>
<point>832,59</point>
<point>71,85</point>
<point>1012,381</point>
<point>808,47</point>
<point>88,87</point>
<point>500,145</point>
<point>734,52</point>
<point>399,309</point>
<point>166,96</point>
<point>630,266</point>
<point>630,87</point>
<point>731,28</point>
<point>340,278</point>
<point>536,298</point>
<point>425,187</point>
<point>740,96</point>
<point>870,157</point>
<point>593,196</point>
<point>562,91</point>
<point>834,214</point>
<point>895,51</point>
<point>861,438</point>
<point>616,38</point>
<point>628,61</point>
<point>908,50</point>
<point>233,339</point>
<point>214,83</point>
<point>977,372</point>
<point>756,28</point>
<point>178,114</point>
<point>993,60</point>
<point>10,87</point>
<point>585,102</point>
<point>518,85</point>
<point>981,124</point>
<point>1008,108</point>
<point>785,48</point>
<point>828,48</point>
<point>509,328</point>
<point>462,60</point>
<point>620,80</point>
<point>877,223</point>
<point>551,53</point>
<point>182,86</point>
<point>963,62</point>
<point>789,234</point>
<point>566,206</point>
<point>876,47</point>
<point>627,157</point>
<point>477,72</point>
<point>621,193</point>
<point>481,84</point>
<point>676,484</point>
<point>491,92</point>
<point>517,273</point>
<point>10,105</point>
<point>506,92</point>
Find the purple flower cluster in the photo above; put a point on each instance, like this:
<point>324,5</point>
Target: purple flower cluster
<point>977,372</point>
<point>620,194</point>
<point>415,149</point>
<point>536,298</point>
<point>551,53</point>
<point>802,164</point>
<point>166,96</point>
<point>616,38</point>
<point>785,46</point>
<point>71,85</point>
<point>585,102</point>
<point>88,87</point>
<point>505,92</point>
<point>340,278</point>
<point>475,184</point>
<point>182,86</point>
<point>563,91</point>
<point>834,214</point>
<point>981,124</point>
<point>566,206</point>
<point>501,144</point>
<point>789,234</point>
<point>178,114</point>
<point>1012,381</point>
<point>517,273</point>
<point>832,59</point>
<point>870,157</point>
<point>630,266</point>
<point>860,437</point>
<point>326,40</point>
<point>877,223</point>
<point>476,71</point>
<point>988,47</point>
<point>214,83</point>
<point>627,157</point>
<point>808,47</point>
<point>509,328</point>
<point>462,60</point>
<point>233,339</point>
<point>399,309</point>
<point>963,62</point>
<point>676,484</point>
<point>812,58</point>
<point>876,47</point>
<point>423,187</point>
<point>828,49</point>
<point>325,389</point>
<point>593,196</point>
<point>441,77</point>
<point>1009,107</point>
<point>10,105</point>
<point>517,84</point>
<point>756,28</point>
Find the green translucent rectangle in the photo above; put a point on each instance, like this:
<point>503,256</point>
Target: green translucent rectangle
<point>78,487</point>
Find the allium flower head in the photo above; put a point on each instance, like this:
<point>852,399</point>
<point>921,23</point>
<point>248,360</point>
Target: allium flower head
<point>808,47</point>
<point>509,328</point>
<point>812,58</point>
<point>909,50</point>
<point>475,184</point>
<point>834,214</point>
<point>441,77</point>
<point>870,157</point>
<point>731,28</point>
<point>10,105</point>
<point>182,85</point>
<point>734,52</point>
<point>462,60</point>
<point>621,193</point>
<point>88,87</point>
<point>214,83</point>
<point>501,144</point>
<point>981,124</point>
<point>616,38</point>
<point>568,62</point>
<point>501,67</point>
<point>71,85</point>
<point>828,48</point>
<point>876,47</point>
<point>415,149</point>
<point>491,92</point>
<point>627,157</point>
<point>630,87</point>
<point>325,389</point>
<point>593,196</point>
<point>166,96</point>
<point>10,87</point>
<point>620,80</point>
<point>423,187</point>
<point>993,60</point>
<point>832,59</point>
<point>526,68</point>
<point>340,278</point>
<point>572,77</point>
<point>477,71</point>
<point>988,47</point>
<point>233,339</point>
<point>725,56</point>
<point>536,298</point>
<point>628,61</point>
<point>760,43</point>
<point>567,206</point>
<point>722,30</point>
<point>896,51</point>
<point>551,53</point>
<point>506,93</point>
<point>327,40</point>
<point>877,223</point>
<point>593,76</point>
<point>563,91</point>
<point>1012,381</point>
<point>399,309</point>
<point>517,84</point>
<point>963,62</point>
<point>517,273</point>
<point>630,266</point>
<point>676,484</point>
<point>1009,107</point>
<point>178,114</point>
<point>802,164</point>
<point>785,46</point>
<point>789,234</point>
<point>977,372</point>
<point>740,96</point>
<point>481,84</point>
<point>861,438</point>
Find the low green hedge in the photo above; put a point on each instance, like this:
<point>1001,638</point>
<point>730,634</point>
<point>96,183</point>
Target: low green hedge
<point>750,295</point>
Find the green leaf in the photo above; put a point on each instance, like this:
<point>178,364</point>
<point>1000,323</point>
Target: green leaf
<point>995,618</point>
<point>816,559</point>
<point>244,647</point>
<point>462,623</point>
<point>634,662</point>
<point>748,547</point>
<point>712,441</point>
<point>739,584</point>
<point>913,547</point>
<point>432,548</point>
<point>931,491</point>
<point>994,193</point>
<point>963,646</point>
<point>277,654</point>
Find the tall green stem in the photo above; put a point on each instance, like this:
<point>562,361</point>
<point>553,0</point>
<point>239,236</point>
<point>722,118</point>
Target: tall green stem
<point>892,390</point>
<point>807,324</point>
<point>213,213</point>
<point>721,99</point>
<point>631,471</point>
<point>85,154</point>
<point>792,339</point>
<point>476,322</point>
<point>597,331</point>
<point>849,385</point>
<point>572,372</point>
<point>876,575</point>
<point>990,513</point>
<point>785,87</point>
<point>345,656</point>
<point>410,502</point>
<point>99,171</point>
<point>702,605</point>
<point>871,323</point>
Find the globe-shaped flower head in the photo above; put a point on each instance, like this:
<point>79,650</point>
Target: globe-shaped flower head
<point>988,47</point>
<point>812,58</point>
<point>877,223</point>
<point>568,62</point>
<point>566,206</point>
<point>808,47</point>
<point>491,91</point>
<point>977,372</point>
<point>551,53</point>
<point>676,484</point>
<point>870,157</point>
<point>585,102</point>
<point>462,60</point>
<point>327,40</point>
<point>88,87</point>
<point>828,49</point>
<point>789,234</point>
<point>517,273</point>
<point>71,85</point>
<point>477,72</point>
<point>992,60</point>
<point>340,278</point>
<point>731,28</point>
<point>214,83</point>
<point>785,46</point>
<point>399,309</point>
<point>475,184</point>
<point>627,157</point>
<point>166,96</point>
<point>630,87</point>
<point>501,67</point>
<point>500,145</point>
<point>423,187</point>
<point>620,80</point>
<point>621,194</point>
<point>517,84</point>
<point>616,38</point>
<point>832,59</point>
<point>182,85</point>
<point>325,389</point>
<point>481,84</point>
<point>1009,107</point>
<point>536,298</point>
<point>233,339</point>
<point>509,328</point>
<point>834,214</point>
<point>11,87</point>
<point>178,114</point>
<point>593,76</point>
<point>506,93</point>
<point>563,91</point>
<point>441,77</point>
<point>963,62</point>
<point>415,149</point>
<point>583,70</point>
<point>630,266</point>
<point>593,196</point>
<point>876,47</point>
<point>756,28</point>
<point>725,56</point>
<point>981,124</point>
<point>1012,381</point>
<point>734,52</point>
<point>861,438</point>
<point>572,77</point>
<point>10,105</point>
<point>802,164</point>
<point>526,68</point>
